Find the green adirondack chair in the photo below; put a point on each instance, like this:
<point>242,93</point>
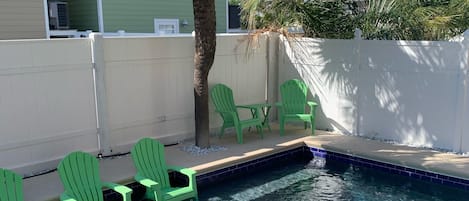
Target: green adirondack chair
<point>293,106</point>
<point>222,97</point>
<point>152,172</point>
<point>79,173</point>
<point>11,186</point>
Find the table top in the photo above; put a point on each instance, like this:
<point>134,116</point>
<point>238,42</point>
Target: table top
<point>258,105</point>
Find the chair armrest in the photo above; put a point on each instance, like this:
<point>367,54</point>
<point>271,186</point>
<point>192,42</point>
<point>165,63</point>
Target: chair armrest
<point>187,171</point>
<point>255,109</point>
<point>224,111</point>
<point>65,197</point>
<point>147,182</point>
<point>190,173</point>
<point>246,106</point>
<point>233,114</point>
<point>150,184</point>
<point>121,189</point>
<point>312,104</point>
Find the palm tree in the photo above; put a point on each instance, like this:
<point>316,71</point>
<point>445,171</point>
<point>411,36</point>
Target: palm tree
<point>378,19</point>
<point>205,43</point>
<point>444,19</point>
<point>328,19</point>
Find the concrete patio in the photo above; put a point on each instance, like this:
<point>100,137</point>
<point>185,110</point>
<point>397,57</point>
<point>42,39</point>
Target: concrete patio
<point>121,170</point>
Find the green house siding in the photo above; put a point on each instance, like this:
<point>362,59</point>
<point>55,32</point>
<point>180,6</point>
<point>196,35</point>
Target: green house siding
<point>83,15</point>
<point>138,15</point>
<point>220,7</point>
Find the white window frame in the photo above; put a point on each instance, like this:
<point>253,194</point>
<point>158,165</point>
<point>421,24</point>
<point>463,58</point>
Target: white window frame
<point>159,21</point>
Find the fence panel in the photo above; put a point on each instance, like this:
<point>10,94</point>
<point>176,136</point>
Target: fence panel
<point>329,68</point>
<point>46,102</point>
<point>406,91</point>
<point>243,69</point>
<point>149,85</point>
<point>409,92</point>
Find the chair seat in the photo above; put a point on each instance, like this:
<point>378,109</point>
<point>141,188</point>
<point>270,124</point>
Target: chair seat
<point>180,193</point>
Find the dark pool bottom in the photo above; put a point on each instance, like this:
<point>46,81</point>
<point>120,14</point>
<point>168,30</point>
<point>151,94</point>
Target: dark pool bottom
<point>332,180</point>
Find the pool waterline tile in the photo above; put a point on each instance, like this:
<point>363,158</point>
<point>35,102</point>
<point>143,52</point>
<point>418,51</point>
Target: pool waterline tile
<point>249,166</point>
<point>432,177</point>
<point>245,167</point>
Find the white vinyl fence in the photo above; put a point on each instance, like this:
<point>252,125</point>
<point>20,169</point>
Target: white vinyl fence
<point>149,85</point>
<point>411,92</point>
<point>47,106</point>
<point>143,85</point>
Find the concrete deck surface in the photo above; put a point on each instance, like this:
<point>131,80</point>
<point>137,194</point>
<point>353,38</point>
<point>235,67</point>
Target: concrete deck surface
<point>121,169</point>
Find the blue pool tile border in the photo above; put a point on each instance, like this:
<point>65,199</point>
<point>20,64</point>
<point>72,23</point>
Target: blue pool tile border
<point>306,153</point>
<point>459,183</point>
<point>245,167</point>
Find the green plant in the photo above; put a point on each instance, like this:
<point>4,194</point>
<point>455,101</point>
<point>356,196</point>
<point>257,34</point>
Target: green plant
<point>234,2</point>
<point>378,19</point>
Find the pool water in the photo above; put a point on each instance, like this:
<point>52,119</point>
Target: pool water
<point>334,181</point>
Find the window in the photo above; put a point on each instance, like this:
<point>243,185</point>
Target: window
<point>166,26</point>
<point>233,17</point>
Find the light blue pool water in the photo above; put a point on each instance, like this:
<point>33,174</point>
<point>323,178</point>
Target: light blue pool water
<point>333,181</point>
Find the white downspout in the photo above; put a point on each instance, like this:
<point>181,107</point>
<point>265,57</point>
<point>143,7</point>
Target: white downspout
<point>100,16</point>
<point>46,18</point>
<point>227,15</point>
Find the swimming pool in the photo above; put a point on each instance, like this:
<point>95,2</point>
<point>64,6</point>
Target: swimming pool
<point>319,180</point>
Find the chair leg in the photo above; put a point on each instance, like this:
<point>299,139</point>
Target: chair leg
<point>239,134</point>
<point>306,125</point>
<point>261,129</point>
<point>222,131</point>
<point>313,126</point>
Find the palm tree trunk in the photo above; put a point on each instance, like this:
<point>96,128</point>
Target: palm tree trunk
<point>205,42</point>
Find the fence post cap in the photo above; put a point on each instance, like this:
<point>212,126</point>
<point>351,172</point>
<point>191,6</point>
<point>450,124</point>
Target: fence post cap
<point>95,35</point>
<point>466,35</point>
<point>358,34</point>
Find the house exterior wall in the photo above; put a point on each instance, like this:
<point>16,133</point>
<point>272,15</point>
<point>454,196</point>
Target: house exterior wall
<point>138,15</point>
<point>22,19</point>
<point>221,13</point>
<point>83,15</point>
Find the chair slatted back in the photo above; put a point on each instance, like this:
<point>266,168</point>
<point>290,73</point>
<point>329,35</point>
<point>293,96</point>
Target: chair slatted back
<point>79,173</point>
<point>11,186</point>
<point>222,97</point>
<point>293,93</point>
<point>149,160</point>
